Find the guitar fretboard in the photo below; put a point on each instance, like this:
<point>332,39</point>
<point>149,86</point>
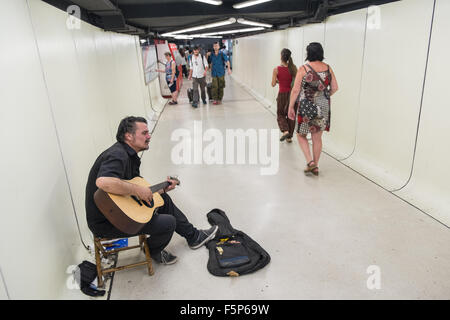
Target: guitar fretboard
<point>159,186</point>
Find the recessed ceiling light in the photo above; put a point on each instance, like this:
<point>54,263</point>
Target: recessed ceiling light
<point>248,3</point>
<point>206,26</point>
<point>252,23</point>
<point>213,2</point>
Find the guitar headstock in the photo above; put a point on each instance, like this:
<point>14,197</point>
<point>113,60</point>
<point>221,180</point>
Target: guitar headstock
<point>175,178</point>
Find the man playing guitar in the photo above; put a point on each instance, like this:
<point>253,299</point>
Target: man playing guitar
<point>121,162</point>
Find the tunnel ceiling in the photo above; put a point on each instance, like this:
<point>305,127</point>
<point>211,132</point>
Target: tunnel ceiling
<point>153,18</point>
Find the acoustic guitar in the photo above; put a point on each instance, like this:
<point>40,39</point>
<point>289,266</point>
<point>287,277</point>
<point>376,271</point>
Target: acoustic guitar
<point>128,213</point>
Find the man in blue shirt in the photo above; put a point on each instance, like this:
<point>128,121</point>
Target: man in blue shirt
<point>219,61</point>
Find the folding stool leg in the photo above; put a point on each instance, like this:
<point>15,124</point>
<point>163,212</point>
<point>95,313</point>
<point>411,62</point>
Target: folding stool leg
<point>143,240</point>
<point>98,262</point>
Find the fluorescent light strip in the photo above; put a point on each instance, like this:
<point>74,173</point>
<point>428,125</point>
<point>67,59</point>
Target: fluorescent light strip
<point>206,26</point>
<point>191,36</point>
<point>182,37</point>
<point>248,3</point>
<point>205,36</point>
<point>234,31</point>
<point>252,23</point>
<point>213,2</point>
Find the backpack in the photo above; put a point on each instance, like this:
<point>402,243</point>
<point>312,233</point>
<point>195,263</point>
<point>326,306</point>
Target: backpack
<point>223,58</point>
<point>86,274</point>
<point>203,61</point>
<point>232,253</point>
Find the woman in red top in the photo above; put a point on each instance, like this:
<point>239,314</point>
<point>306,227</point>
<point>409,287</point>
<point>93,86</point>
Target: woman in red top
<point>283,75</point>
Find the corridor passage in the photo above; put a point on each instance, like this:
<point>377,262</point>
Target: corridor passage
<point>336,236</point>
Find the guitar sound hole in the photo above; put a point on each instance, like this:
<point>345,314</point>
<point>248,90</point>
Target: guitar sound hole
<point>147,205</point>
<point>136,199</point>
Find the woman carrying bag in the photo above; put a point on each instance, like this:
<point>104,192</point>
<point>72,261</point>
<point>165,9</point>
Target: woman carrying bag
<point>315,83</point>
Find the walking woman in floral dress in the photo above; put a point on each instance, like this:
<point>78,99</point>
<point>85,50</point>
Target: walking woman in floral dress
<point>315,81</point>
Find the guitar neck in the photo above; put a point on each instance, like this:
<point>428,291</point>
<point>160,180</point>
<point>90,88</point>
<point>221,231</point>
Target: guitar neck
<point>159,186</point>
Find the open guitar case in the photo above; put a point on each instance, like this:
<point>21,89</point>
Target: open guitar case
<point>232,252</point>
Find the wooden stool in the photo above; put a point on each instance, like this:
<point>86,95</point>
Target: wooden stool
<point>100,251</point>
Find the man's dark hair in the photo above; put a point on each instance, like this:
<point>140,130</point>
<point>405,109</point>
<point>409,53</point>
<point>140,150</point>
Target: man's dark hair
<point>314,52</point>
<point>128,125</point>
<point>196,48</point>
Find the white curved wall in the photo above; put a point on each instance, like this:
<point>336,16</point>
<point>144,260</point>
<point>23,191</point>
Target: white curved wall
<point>429,187</point>
<point>63,94</point>
<point>37,219</point>
<point>295,44</point>
<point>379,56</point>
<point>391,88</point>
<point>344,42</point>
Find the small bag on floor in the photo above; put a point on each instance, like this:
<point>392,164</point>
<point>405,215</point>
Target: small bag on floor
<point>88,273</point>
<point>231,253</point>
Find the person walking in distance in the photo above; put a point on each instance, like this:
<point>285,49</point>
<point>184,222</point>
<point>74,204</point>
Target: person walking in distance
<point>197,71</point>
<point>219,61</point>
<point>315,83</point>
<point>171,78</point>
<point>283,75</point>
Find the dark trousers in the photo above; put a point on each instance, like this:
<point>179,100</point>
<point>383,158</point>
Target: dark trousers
<point>185,71</point>
<point>160,228</point>
<point>202,83</point>
<point>284,123</point>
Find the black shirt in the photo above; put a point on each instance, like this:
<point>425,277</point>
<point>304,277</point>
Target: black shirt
<point>119,161</point>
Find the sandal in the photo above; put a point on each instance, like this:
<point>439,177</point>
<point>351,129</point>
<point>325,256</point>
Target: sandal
<point>284,136</point>
<point>310,167</point>
<point>315,171</point>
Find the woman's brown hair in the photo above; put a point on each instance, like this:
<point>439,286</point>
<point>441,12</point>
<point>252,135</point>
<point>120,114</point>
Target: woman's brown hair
<point>286,58</point>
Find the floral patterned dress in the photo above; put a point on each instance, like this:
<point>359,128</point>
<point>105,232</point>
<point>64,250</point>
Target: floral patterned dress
<point>318,93</point>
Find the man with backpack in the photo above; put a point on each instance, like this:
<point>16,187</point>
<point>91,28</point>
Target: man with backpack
<point>219,61</point>
<point>197,71</point>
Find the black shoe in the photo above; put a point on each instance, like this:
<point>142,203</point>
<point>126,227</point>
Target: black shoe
<point>204,101</point>
<point>284,136</point>
<point>203,237</point>
<point>165,257</point>
<point>194,105</point>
